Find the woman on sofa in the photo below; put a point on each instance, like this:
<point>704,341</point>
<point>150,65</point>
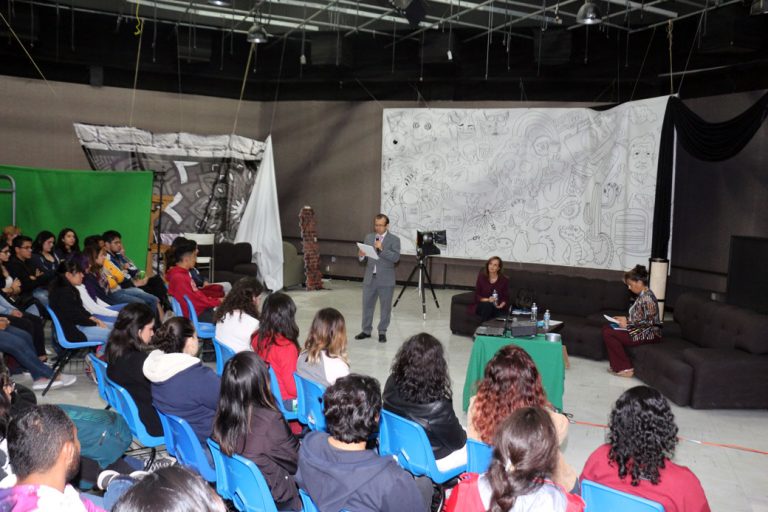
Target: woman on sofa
<point>640,327</point>
<point>491,290</point>
<point>641,440</point>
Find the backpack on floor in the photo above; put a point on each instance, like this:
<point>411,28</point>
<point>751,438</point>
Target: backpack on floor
<point>104,435</point>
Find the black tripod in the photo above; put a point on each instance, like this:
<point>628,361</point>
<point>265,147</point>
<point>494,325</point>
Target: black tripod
<point>421,266</point>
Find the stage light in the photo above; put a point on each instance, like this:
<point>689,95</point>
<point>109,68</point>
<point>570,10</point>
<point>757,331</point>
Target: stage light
<point>589,14</point>
<point>257,34</point>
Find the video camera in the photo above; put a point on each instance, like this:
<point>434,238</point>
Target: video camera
<point>426,240</point>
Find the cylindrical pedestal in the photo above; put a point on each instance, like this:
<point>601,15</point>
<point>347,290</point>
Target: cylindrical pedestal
<point>658,281</point>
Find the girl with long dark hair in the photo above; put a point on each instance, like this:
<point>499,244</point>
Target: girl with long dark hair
<point>237,318</point>
<point>641,441</point>
<point>67,244</point>
<point>64,299</point>
<point>512,381</point>
<point>324,358</point>
<point>43,254</point>
<point>248,423</point>
<point>127,350</point>
<point>419,388</point>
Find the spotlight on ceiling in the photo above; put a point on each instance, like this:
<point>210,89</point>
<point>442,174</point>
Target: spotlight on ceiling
<point>758,7</point>
<point>400,4</point>
<point>589,14</point>
<point>220,3</point>
<point>257,34</point>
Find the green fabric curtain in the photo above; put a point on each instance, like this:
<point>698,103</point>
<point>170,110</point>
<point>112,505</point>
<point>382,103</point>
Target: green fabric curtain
<point>88,202</point>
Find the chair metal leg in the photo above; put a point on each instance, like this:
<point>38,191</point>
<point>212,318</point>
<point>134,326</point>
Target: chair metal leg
<point>151,459</point>
<point>57,368</point>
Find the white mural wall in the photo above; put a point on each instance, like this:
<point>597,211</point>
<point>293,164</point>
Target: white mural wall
<point>560,186</point>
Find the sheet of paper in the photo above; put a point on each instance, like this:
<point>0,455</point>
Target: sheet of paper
<point>368,250</point>
<point>611,319</point>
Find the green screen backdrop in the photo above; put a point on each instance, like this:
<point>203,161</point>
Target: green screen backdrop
<point>90,202</point>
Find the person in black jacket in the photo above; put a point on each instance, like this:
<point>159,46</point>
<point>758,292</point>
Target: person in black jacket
<point>33,281</point>
<point>419,389</point>
<point>77,323</point>
<point>248,423</point>
<point>127,349</point>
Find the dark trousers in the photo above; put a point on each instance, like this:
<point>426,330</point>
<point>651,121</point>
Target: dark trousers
<point>486,310</point>
<point>615,341</point>
<point>34,326</point>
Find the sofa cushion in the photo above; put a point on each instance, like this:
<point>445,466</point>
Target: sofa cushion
<point>690,315</point>
<point>248,269</point>
<point>665,370</point>
<point>668,347</point>
<point>465,298</point>
<point>581,337</point>
<point>727,378</point>
<point>750,331</point>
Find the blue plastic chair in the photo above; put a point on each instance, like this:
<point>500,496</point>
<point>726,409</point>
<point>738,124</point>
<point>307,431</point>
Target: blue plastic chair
<point>100,372</point>
<point>175,306</point>
<point>309,403</point>
<point>239,479</point>
<point>70,348</point>
<point>407,442</point>
<point>125,405</point>
<point>479,456</point>
<point>275,386</point>
<point>204,329</point>
<point>307,504</point>
<point>182,443</point>
<point>599,497</point>
<point>223,354</point>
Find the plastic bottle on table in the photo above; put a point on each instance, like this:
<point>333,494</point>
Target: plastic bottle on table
<point>534,313</point>
<point>547,317</point>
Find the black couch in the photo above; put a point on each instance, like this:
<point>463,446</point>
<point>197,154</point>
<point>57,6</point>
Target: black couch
<point>578,301</point>
<point>713,355</point>
<point>231,262</point>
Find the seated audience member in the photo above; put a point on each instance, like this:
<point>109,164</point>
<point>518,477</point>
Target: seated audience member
<point>33,282</point>
<point>76,322</point>
<point>419,389</point>
<point>18,344</point>
<point>512,381</point>
<point>11,286</point>
<point>12,307</point>
<point>642,436</point>
<point>517,480</point>
<point>248,423</point>
<point>172,489</point>
<point>180,283</point>
<point>324,358</point>
<point>237,319</point>
<point>105,275</point>
<point>43,256</point>
<point>96,281</point>
<point>642,326</point>
<point>276,342</point>
<point>127,350</point>
<point>45,455</point>
<point>113,243</point>
<point>337,470</point>
<point>9,233</point>
<point>490,280</point>
<point>67,244</point>
<point>212,290</point>
<point>181,384</point>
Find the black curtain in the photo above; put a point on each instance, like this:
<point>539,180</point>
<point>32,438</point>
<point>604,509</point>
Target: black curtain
<point>712,142</point>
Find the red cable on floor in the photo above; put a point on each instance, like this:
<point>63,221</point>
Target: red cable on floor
<point>706,443</point>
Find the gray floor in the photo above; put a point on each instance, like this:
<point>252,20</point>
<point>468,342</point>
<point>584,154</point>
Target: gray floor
<point>734,481</point>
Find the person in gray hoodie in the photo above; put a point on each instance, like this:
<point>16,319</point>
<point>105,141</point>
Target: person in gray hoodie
<point>181,385</point>
<point>336,469</point>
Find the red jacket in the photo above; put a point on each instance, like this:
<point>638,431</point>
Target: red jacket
<point>180,284</point>
<point>282,357</point>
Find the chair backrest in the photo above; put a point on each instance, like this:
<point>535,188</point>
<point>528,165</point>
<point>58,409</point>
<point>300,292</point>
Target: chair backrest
<point>175,306</point>
<point>239,479</point>
<point>200,238</point>
<point>182,443</point>
<point>307,504</point>
<point>599,497</point>
<point>223,354</point>
<point>125,405</point>
<point>100,372</point>
<point>62,339</point>
<point>407,441</point>
<point>275,387</point>
<point>479,456</point>
<point>309,406</point>
<point>203,329</point>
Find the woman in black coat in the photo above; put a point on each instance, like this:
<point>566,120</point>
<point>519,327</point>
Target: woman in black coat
<point>419,389</point>
<point>64,299</point>
<point>248,423</point>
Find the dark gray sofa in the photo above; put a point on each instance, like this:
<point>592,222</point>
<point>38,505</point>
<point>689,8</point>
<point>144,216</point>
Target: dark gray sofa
<point>713,355</point>
<point>578,301</point>
<point>231,262</point>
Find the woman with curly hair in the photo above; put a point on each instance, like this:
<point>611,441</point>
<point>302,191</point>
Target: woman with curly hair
<point>237,318</point>
<point>419,388</point>
<point>512,381</point>
<point>642,436</point>
<point>324,358</point>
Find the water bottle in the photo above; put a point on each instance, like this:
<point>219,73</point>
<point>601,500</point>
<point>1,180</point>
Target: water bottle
<point>534,313</point>
<point>494,297</point>
<point>546,320</point>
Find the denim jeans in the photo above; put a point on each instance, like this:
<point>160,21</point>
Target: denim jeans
<point>18,343</point>
<point>135,295</point>
<point>94,333</point>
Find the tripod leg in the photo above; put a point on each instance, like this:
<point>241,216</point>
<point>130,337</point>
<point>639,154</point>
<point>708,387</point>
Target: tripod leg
<point>407,281</point>
<point>429,280</point>
<point>422,271</point>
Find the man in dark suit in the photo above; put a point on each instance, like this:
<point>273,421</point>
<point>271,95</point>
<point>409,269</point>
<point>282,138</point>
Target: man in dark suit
<point>379,281</point>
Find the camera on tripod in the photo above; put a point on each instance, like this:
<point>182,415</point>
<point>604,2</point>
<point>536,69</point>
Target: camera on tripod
<point>426,240</point>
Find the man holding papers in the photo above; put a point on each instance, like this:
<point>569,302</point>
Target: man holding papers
<point>380,252</point>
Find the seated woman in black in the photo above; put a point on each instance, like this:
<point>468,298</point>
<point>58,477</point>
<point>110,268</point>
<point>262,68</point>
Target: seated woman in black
<point>491,290</point>
<point>248,423</point>
<point>67,244</point>
<point>76,322</point>
<point>127,349</point>
<point>419,389</point>
<point>43,256</point>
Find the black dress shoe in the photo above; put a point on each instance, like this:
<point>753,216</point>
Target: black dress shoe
<point>362,336</point>
<point>382,338</point>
